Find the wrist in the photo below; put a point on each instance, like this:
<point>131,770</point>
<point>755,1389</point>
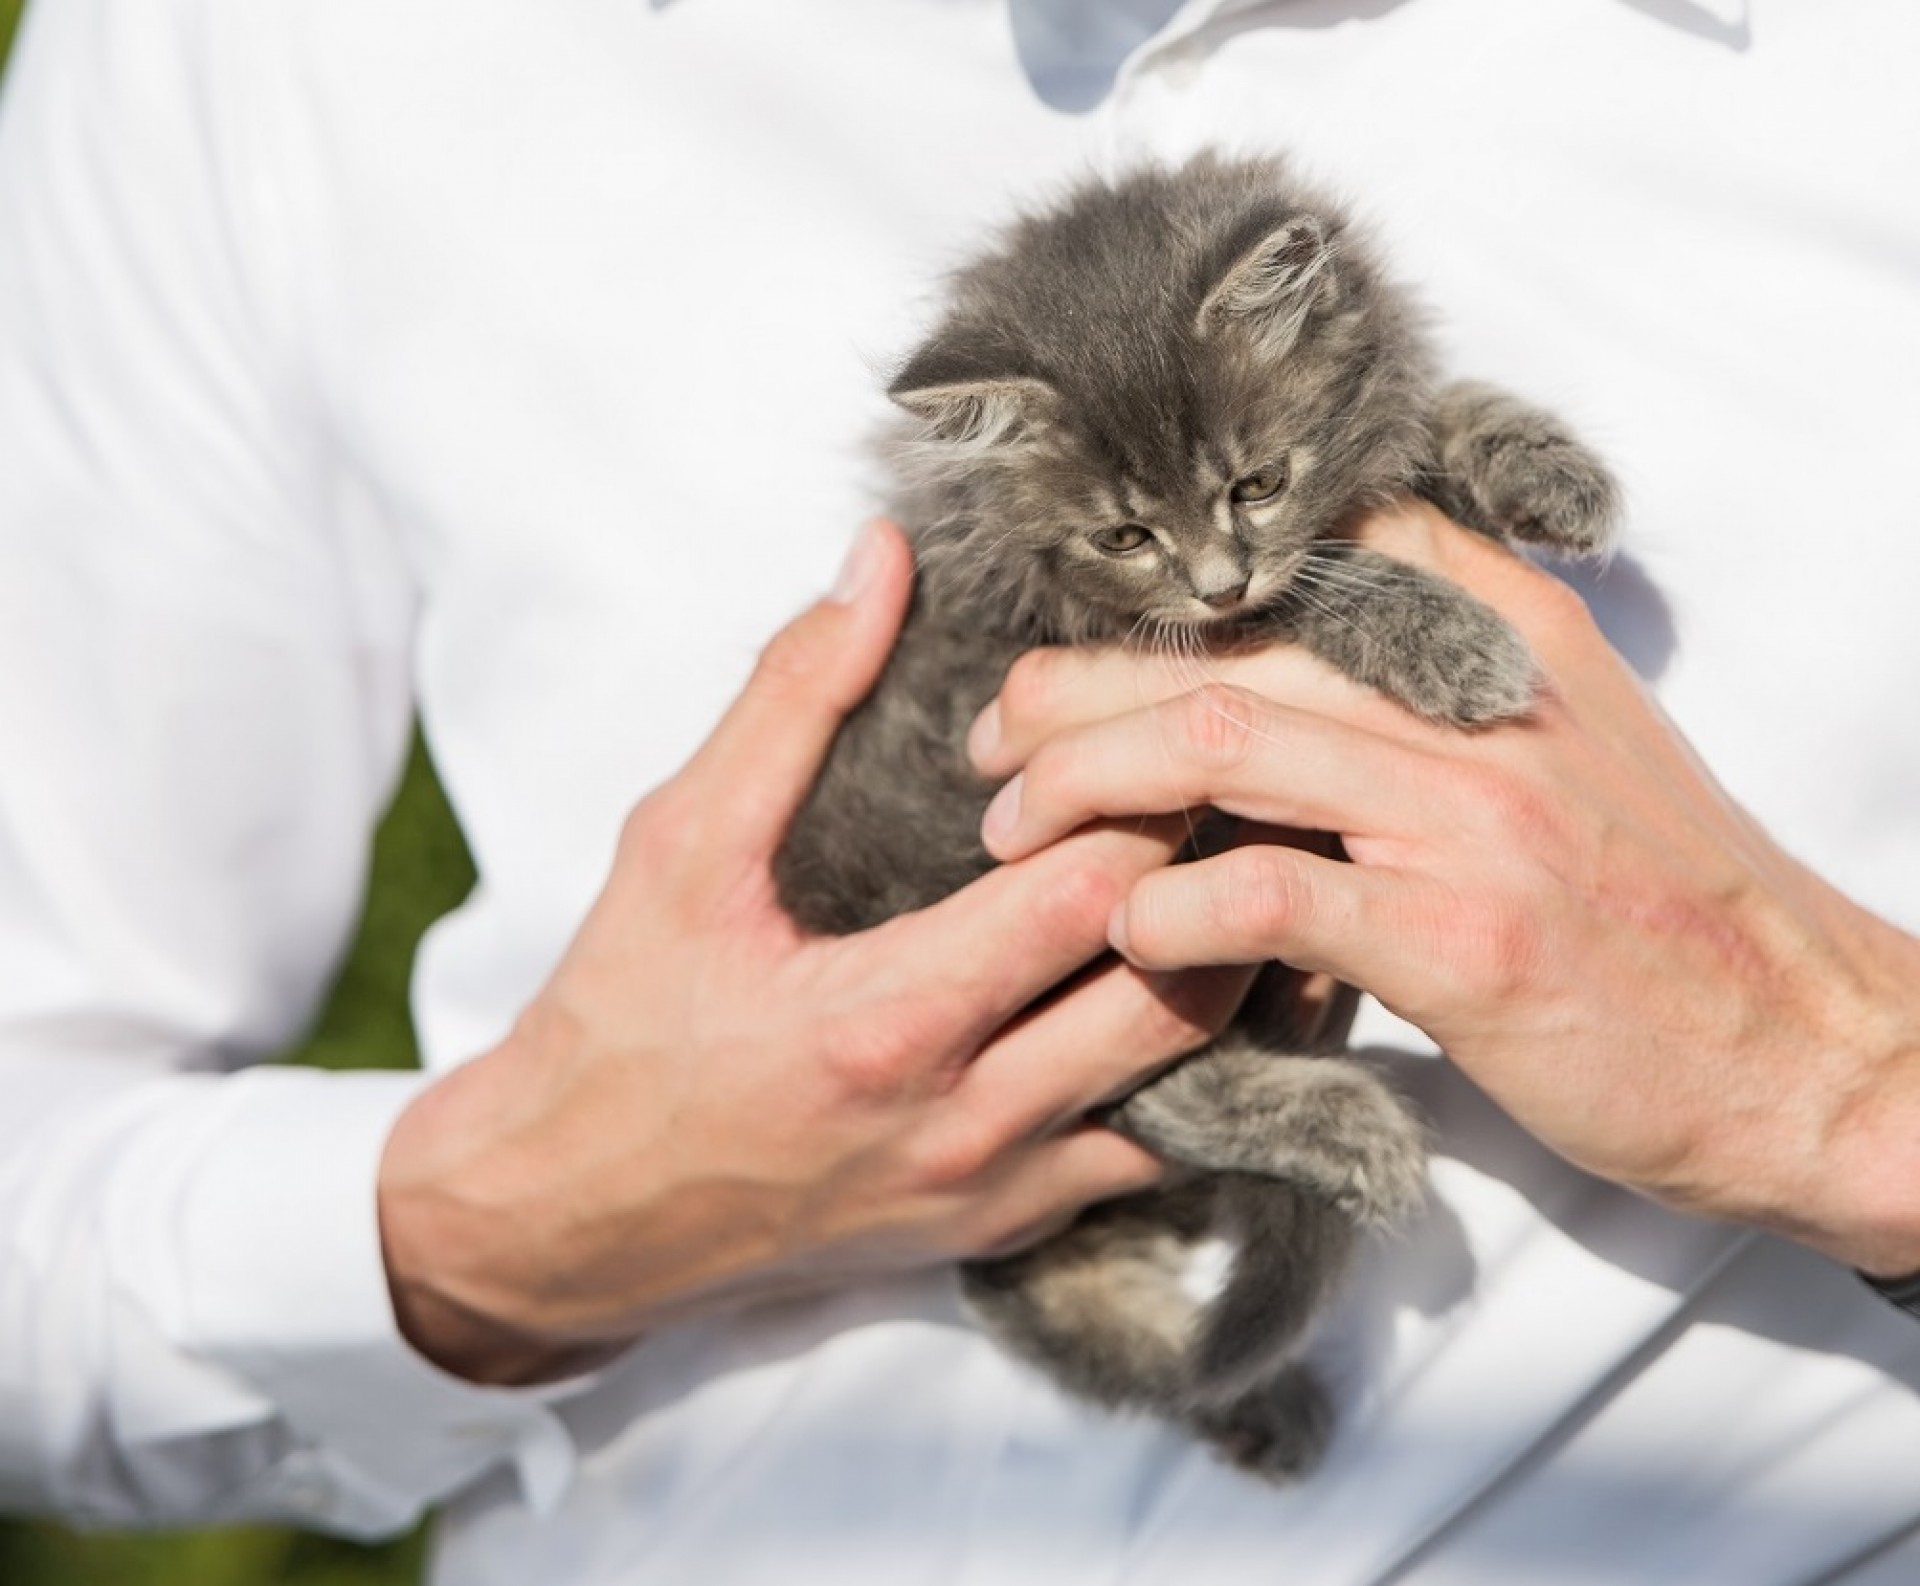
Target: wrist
<point>1858,1196</point>
<point>480,1348</point>
<point>462,1239</point>
<point>1873,1223</point>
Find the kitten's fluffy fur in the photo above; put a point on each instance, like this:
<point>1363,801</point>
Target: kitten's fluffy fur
<point>1146,417</point>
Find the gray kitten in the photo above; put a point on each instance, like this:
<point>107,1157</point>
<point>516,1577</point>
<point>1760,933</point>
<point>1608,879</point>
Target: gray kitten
<point>1147,416</point>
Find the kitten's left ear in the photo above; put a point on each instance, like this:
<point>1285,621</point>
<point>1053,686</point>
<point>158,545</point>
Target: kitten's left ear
<point>978,412</point>
<point>1277,282</point>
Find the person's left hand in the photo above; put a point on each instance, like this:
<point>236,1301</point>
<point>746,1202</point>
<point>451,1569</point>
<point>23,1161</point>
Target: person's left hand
<point>1568,903</point>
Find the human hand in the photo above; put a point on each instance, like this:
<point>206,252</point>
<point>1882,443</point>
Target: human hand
<point>705,1107</point>
<point>1568,904</point>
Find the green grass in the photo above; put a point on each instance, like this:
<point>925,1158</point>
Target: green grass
<point>420,870</point>
<point>38,1554</point>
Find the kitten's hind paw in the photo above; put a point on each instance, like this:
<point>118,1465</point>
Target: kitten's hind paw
<point>1328,1126</point>
<point>1277,1432</point>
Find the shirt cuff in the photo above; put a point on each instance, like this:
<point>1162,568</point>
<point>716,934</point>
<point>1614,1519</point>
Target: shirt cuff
<point>287,1291</point>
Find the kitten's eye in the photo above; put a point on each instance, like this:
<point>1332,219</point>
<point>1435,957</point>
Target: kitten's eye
<point>1122,540</point>
<point>1263,486</point>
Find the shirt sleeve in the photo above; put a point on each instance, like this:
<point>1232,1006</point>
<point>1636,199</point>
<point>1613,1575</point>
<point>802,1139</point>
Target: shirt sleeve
<point>203,705</point>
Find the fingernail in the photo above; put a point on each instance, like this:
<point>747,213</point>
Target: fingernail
<point>1002,814</point>
<point>1117,930</point>
<point>858,570</point>
<point>983,737</point>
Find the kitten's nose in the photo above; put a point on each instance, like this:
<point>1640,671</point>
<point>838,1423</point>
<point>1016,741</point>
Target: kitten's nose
<point>1225,596</point>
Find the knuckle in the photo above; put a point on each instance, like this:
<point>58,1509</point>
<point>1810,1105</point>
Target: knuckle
<point>1480,792</point>
<point>1217,726</point>
<point>1511,949</point>
<point>1526,815</point>
<point>901,1046</point>
<point>790,660</point>
<point>874,1061</point>
<point>1557,605</point>
<point>1031,687</point>
<point>654,832</point>
<point>1078,902</point>
<point>1261,895</point>
<point>958,1152</point>
<point>637,831</point>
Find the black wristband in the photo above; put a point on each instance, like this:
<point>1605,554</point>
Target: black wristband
<point>1903,1292</point>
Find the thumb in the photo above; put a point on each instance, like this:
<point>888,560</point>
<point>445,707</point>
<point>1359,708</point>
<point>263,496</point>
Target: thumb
<point>755,769</point>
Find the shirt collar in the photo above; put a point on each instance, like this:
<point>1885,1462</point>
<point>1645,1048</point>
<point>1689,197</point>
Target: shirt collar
<point>1716,18</point>
<point>1071,50</point>
<point>1723,21</point>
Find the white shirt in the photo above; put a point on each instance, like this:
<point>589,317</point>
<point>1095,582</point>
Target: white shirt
<point>513,360</point>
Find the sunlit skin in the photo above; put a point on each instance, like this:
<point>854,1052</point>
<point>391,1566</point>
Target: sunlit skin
<point>1569,904</point>
<point>704,1107</point>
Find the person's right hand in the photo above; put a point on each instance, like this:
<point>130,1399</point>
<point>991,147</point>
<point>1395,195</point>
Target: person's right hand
<point>1568,903</point>
<point>705,1106</point>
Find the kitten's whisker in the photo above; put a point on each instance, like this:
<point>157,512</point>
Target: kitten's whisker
<point>1142,638</point>
<point>1185,657</point>
<point>1340,571</point>
<point>1346,572</point>
<point>1180,655</point>
<point>1323,591</point>
<point>1352,604</point>
<point>1170,642</point>
<point>1347,615</point>
<point>1342,581</point>
<point>1339,604</point>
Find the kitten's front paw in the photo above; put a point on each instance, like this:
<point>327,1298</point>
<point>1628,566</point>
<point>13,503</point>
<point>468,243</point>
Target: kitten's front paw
<point>1471,669</point>
<point>1525,475</point>
<point>1549,490</point>
<point>1417,639</point>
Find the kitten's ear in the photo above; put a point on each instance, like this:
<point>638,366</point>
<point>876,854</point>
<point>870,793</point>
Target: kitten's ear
<point>978,412</point>
<point>1277,282</point>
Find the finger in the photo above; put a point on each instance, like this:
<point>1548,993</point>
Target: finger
<point>1099,1039</point>
<point>1222,747</point>
<point>1319,915</point>
<point>1056,1181</point>
<point>975,959</point>
<point>1051,691</point>
<point>755,769</point>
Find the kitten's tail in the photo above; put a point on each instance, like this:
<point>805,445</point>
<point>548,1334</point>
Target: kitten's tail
<point>1292,1246</point>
